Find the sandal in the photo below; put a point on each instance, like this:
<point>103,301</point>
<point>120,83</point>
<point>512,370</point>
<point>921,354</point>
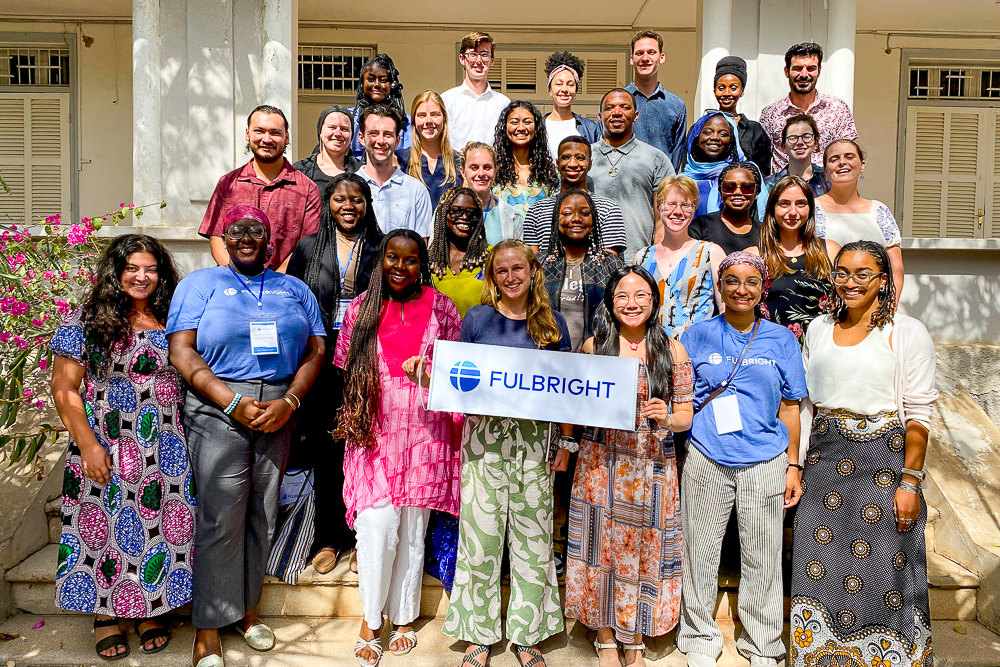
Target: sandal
<point>536,657</point>
<point>480,649</point>
<point>374,644</point>
<point>151,635</point>
<point>396,635</point>
<point>598,646</point>
<point>111,641</point>
<point>640,647</point>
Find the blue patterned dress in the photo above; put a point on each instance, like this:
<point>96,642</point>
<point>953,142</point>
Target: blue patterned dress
<point>126,548</point>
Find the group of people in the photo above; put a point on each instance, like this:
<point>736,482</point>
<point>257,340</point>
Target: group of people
<point>736,261</point>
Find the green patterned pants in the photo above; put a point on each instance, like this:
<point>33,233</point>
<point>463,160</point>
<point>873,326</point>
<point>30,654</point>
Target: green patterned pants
<point>506,492</point>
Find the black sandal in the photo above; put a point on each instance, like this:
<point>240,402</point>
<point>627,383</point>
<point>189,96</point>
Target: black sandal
<point>111,641</point>
<point>535,659</point>
<point>480,649</point>
<point>151,635</point>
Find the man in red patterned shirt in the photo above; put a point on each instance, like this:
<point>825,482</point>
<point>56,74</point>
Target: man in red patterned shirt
<point>268,181</point>
<point>832,115</point>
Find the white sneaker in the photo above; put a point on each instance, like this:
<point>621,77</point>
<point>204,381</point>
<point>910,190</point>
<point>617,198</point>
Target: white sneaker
<point>700,660</point>
<point>760,661</point>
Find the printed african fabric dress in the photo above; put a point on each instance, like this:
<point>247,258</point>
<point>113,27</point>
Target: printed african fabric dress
<point>625,542</point>
<point>126,547</point>
<point>859,585</point>
<point>687,289</point>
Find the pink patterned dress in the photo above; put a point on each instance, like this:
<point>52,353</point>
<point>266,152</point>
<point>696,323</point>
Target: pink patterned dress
<point>417,458</point>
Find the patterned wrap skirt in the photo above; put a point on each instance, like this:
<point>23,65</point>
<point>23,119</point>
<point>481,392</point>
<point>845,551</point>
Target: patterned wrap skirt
<point>859,585</point>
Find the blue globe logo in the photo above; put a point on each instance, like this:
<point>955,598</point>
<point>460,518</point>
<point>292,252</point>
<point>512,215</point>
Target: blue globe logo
<point>465,376</point>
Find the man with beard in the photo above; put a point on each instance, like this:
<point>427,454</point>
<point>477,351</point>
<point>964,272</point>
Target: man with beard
<point>661,115</point>
<point>627,170</point>
<point>268,181</point>
<point>400,201</point>
<point>832,115</point>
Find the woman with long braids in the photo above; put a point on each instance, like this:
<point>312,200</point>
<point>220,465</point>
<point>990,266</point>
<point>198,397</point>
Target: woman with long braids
<point>796,258</point>
<point>402,461</point>
<point>577,267</point>
<point>118,472</point>
<point>431,159</point>
<point>859,577</point>
<point>458,248</point>
<point>507,478</point>
<point>379,84</point>
<point>525,172</point>
<point>335,263</point>
<point>624,573</point>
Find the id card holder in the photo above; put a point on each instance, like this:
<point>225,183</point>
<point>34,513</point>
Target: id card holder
<point>341,312</point>
<point>264,334</point>
<point>727,414</point>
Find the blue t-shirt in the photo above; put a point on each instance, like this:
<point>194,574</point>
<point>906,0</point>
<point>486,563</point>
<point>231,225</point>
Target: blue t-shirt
<point>771,370</point>
<point>215,303</point>
<point>484,324</point>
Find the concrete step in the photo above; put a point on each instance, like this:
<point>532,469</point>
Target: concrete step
<point>952,591</point>
<point>53,514</point>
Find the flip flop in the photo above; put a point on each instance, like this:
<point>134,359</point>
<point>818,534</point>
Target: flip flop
<point>151,635</point>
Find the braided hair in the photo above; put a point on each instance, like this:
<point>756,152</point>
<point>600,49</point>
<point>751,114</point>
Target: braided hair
<point>886,294</point>
<point>362,389</point>
<point>440,250</point>
<point>395,98</point>
<point>543,171</point>
<point>747,165</point>
<point>596,243</point>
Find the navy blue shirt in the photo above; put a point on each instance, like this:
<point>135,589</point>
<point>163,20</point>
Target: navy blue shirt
<point>662,122</point>
<point>433,180</point>
<point>819,183</point>
<point>484,324</point>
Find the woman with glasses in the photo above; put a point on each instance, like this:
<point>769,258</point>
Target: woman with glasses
<point>859,561</point>
<point>743,454</point>
<point>800,137</point>
<point>458,248</point>
<point>735,226</point>
<point>623,577</point>
<point>249,344</point>
<point>683,268</point>
<point>525,170</point>
<point>564,70</point>
<point>730,83</point>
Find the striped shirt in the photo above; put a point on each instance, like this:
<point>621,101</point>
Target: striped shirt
<point>538,223</point>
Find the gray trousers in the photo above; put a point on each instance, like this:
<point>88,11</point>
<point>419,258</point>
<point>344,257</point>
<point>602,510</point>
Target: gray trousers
<point>237,475</point>
<point>708,493</point>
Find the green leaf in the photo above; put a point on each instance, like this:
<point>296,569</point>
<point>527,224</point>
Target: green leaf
<point>137,212</point>
<point>35,446</point>
<point>15,455</point>
<point>12,417</point>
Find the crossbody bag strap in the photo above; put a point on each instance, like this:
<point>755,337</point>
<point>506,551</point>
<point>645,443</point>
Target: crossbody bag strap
<point>721,388</point>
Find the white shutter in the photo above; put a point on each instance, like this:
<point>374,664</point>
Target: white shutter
<point>991,217</point>
<point>34,155</point>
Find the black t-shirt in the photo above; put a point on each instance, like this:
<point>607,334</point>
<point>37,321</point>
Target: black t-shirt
<point>710,227</point>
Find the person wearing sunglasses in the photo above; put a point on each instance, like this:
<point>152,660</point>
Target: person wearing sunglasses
<point>249,342</point>
<point>458,248</point>
<point>473,106</point>
<point>800,137</point>
<point>859,559</point>
<point>735,225</point>
<point>744,437</point>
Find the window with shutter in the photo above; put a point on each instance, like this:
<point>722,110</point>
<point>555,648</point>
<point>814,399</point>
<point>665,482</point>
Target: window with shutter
<point>34,155</point>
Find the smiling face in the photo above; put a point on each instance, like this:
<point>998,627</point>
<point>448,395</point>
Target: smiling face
<point>477,61</point>
<point>800,141</point>
<point>573,163</point>
<point>380,139</point>
<point>860,266</point>
<point>791,210</point>
<point>738,190</point>
<point>401,264</point>
<point>429,120</point>
<point>512,273</point>
<point>141,276</point>
<point>335,134</point>
<point>647,57</point>
<point>715,137</point>
<point>245,251</point>
<point>728,91</point>
<point>618,113</point>
<point>676,211</point>
<point>267,136</point>
<point>633,301</point>
<point>348,206</point>
<point>479,171</point>
<point>576,220</point>
<point>803,73</point>
<point>461,217</point>
<point>520,127</point>
<point>375,83</point>
<point>562,90</point>
<point>741,287</point>
<point>843,163</point>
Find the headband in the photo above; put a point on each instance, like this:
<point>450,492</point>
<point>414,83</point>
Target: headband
<point>741,257</point>
<point>564,68</point>
<point>246,212</point>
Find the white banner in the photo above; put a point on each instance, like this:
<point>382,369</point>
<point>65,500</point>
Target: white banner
<point>562,387</point>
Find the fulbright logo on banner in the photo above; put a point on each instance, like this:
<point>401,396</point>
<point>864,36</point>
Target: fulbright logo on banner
<point>465,376</point>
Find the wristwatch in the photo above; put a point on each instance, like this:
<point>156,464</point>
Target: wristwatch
<point>919,474</point>
<point>569,444</point>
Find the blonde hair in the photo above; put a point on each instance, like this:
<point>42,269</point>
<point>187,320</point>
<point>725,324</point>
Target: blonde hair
<point>476,146</point>
<point>687,186</point>
<point>542,326</point>
<point>414,168</point>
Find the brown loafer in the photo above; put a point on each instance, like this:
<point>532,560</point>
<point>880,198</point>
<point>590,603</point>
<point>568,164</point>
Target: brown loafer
<point>325,560</point>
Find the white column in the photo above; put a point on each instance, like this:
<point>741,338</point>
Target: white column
<point>838,70</point>
<point>716,43</point>
<point>146,141</point>
<point>279,55</point>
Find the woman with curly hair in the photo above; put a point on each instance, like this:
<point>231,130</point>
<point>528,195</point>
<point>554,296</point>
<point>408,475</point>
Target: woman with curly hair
<point>131,398</point>
<point>507,490</point>
<point>859,561</point>
<point>402,461</point>
<point>379,84</point>
<point>525,170</point>
<point>564,71</point>
<point>458,249</point>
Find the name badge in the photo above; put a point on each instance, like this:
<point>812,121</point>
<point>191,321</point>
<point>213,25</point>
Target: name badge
<point>727,414</point>
<point>263,338</point>
<point>338,321</point>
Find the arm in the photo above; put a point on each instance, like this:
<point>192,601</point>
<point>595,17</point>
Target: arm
<point>906,503</point>
<point>219,252</point>
<point>276,413</point>
<point>788,413</point>
<point>67,375</point>
<point>896,260</point>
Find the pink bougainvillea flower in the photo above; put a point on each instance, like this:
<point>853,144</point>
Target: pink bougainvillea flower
<point>43,364</point>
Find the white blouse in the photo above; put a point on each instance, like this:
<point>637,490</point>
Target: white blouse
<point>860,378</point>
<point>877,225</point>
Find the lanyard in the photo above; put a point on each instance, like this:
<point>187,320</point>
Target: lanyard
<point>260,297</point>
<point>345,269</point>
<point>722,339</point>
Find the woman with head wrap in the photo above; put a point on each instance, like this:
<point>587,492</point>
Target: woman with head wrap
<point>332,155</point>
<point>744,452</point>
<point>730,84</point>
<point>379,84</point>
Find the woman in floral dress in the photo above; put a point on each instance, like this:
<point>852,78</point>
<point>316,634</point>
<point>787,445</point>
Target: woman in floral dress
<point>128,496</point>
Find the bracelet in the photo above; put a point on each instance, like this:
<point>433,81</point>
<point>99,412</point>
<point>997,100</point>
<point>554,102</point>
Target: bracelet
<point>298,402</point>
<point>919,474</point>
<point>232,404</point>
<point>289,401</point>
<point>795,465</point>
<point>569,444</point>
<point>909,487</point>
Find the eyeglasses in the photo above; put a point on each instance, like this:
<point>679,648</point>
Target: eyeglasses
<point>860,279</point>
<point>730,187</point>
<point>668,206</point>
<point>236,232</point>
<point>806,138</point>
<point>641,299</point>
<point>473,56</point>
<point>456,213</point>
<point>731,283</point>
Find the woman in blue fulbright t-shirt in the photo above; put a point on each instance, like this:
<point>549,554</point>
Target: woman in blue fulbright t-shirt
<point>744,452</point>
<point>249,343</point>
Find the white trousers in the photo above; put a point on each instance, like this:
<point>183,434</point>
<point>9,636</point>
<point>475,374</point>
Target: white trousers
<point>391,562</point>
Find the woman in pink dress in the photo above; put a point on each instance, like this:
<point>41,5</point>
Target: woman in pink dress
<point>401,461</point>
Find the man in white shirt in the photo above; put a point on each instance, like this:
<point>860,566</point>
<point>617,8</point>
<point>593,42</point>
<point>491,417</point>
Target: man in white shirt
<point>401,201</point>
<point>474,107</point>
